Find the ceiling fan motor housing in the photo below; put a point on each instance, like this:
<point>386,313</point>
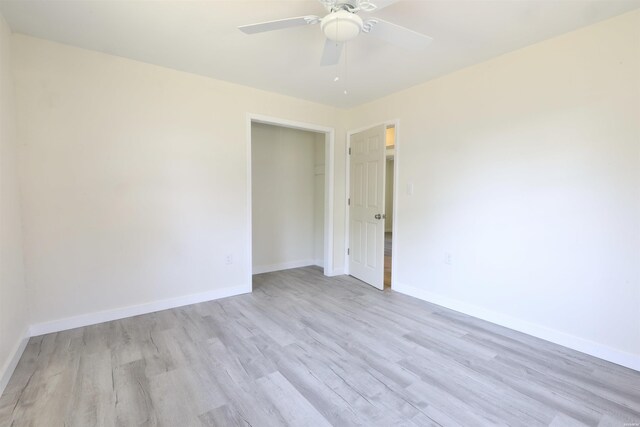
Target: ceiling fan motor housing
<point>341,26</point>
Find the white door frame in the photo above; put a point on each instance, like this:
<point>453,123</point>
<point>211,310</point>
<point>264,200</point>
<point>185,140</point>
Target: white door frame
<point>328,184</point>
<point>394,242</point>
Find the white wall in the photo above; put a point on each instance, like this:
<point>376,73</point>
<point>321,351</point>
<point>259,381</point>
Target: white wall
<point>526,168</point>
<point>135,180</point>
<point>284,198</point>
<point>13,302</point>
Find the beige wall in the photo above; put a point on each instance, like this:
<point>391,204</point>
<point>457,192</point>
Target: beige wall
<point>135,178</point>
<point>388,196</point>
<point>526,168</point>
<point>284,199</point>
<point>13,297</point>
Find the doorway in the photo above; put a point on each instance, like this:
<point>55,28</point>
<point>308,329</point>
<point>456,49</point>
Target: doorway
<point>290,193</point>
<point>388,203</point>
<point>370,203</point>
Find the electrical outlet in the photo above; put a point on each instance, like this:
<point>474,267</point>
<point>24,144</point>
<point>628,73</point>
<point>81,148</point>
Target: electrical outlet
<point>228,259</point>
<point>448,258</point>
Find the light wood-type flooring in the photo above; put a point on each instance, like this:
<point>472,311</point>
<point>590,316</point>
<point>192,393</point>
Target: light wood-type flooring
<point>307,350</point>
<point>387,259</point>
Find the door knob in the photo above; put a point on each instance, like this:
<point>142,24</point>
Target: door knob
<point>378,216</point>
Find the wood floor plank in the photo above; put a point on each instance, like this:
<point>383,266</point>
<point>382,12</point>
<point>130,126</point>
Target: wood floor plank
<point>225,415</point>
<point>295,409</point>
<point>305,349</point>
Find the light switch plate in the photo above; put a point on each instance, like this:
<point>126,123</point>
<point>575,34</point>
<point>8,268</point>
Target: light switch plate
<point>410,189</point>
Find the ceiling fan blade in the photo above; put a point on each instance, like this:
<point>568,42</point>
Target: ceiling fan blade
<point>399,36</point>
<point>331,53</point>
<point>279,24</point>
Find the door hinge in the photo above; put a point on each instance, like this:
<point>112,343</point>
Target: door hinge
<point>348,251</point>
<point>349,150</point>
<point>349,201</point>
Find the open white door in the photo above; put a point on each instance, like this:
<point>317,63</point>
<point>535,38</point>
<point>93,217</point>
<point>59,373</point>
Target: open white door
<point>366,208</point>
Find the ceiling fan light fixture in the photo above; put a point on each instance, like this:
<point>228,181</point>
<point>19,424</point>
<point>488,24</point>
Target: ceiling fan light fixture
<point>341,26</point>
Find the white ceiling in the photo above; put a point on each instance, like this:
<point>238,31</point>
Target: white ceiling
<point>201,37</point>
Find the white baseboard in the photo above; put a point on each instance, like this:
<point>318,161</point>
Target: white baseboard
<point>573,342</point>
<point>259,269</point>
<point>134,310</point>
<point>10,365</point>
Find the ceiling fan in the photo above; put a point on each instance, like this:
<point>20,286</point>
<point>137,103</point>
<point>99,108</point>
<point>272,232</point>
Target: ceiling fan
<point>343,24</point>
